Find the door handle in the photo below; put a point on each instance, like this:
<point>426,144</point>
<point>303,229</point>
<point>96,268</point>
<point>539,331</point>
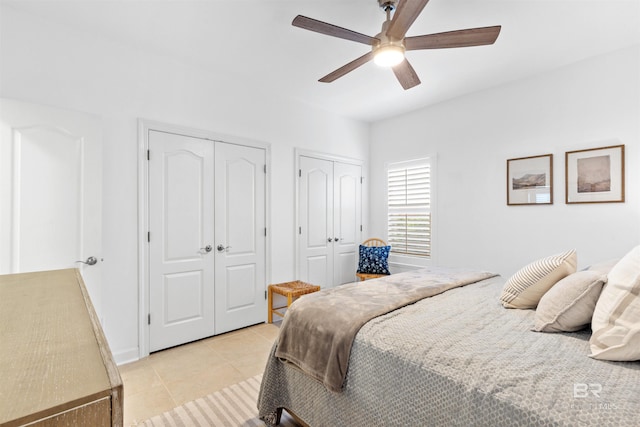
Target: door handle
<point>90,261</point>
<point>222,248</point>
<point>329,240</point>
<point>207,248</point>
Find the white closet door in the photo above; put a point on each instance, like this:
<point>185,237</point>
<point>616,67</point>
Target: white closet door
<point>240,237</point>
<point>347,221</point>
<point>315,217</point>
<point>181,253</point>
<point>207,251</point>
<point>51,192</point>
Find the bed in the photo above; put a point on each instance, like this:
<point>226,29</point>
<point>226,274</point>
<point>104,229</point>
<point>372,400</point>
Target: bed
<point>459,358</point>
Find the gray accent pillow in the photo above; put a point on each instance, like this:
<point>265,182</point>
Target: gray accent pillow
<point>569,305</point>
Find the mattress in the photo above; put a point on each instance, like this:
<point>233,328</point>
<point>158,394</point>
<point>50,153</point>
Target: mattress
<point>461,359</point>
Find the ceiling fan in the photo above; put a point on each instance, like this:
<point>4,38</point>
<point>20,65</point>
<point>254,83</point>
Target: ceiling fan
<point>389,46</point>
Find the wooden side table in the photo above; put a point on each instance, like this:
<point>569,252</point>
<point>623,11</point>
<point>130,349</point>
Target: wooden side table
<point>290,290</point>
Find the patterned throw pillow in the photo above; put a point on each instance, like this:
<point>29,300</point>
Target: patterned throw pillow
<point>373,260</point>
<point>525,288</point>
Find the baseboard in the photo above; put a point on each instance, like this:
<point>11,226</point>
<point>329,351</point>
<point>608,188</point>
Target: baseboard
<point>126,356</point>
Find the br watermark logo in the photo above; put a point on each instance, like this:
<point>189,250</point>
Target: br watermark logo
<point>583,390</point>
<point>592,393</point>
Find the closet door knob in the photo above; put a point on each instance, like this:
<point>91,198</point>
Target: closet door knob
<point>329,240</point>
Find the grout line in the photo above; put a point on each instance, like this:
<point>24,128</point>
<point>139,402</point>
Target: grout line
<point>164,384</point>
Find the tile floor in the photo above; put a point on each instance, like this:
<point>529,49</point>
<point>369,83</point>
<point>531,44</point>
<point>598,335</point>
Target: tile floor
<point>169,378</point>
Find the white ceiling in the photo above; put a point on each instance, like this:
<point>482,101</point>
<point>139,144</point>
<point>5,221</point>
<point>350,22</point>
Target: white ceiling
<point>254,41</point>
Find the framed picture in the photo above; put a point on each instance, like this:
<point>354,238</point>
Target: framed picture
<point>595,175</point>
<point>530,180</point>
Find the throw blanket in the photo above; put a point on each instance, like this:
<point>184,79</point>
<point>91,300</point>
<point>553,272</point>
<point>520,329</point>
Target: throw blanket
<point>318,329</point>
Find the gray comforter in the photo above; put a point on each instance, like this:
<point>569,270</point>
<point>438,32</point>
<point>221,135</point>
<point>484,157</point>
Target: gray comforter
<point>461,359</point>
<point>318,330</point>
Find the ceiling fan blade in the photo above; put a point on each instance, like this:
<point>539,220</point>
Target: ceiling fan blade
<point>406,12</point>
<point>460,38</point>
<point>406,75</point>
<point>332,30</point>
<point>347,68</point>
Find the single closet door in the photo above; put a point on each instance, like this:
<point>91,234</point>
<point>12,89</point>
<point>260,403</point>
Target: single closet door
<point>329,219</point>
<point>240,253</point>
<point>315,218</point>
<point>181,239</point>
<point>347,214</point>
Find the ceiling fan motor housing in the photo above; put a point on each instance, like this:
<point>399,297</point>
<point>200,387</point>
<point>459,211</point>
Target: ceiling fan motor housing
<point>388,43</point>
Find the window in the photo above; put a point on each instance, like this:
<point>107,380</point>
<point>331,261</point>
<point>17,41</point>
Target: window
<point>409,208</point>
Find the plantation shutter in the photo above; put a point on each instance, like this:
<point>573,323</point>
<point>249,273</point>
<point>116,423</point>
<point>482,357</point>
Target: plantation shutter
<point>409,208</point>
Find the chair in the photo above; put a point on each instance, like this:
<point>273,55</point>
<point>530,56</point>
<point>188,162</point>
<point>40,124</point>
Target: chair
<point>374,242</point>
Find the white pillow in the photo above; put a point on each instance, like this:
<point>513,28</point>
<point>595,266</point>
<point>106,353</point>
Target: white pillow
<point>568,306</point>
<point>525,288</point>
<point>616,320</point>
<point>603,267</point>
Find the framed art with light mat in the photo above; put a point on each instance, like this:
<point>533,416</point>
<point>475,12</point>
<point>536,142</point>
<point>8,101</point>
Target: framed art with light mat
<point>595,175</point>
<point>530,180</point>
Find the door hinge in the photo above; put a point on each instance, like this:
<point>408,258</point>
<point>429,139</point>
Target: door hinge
<point>265,231</point>
<point>148,154</point>
<point>360,227</point>
<point>300,173</point>
<point>299,230</point>
<point>149,319</point>
<point>265,168</point>
<point>265,294</point>
<point>148,236</point>
<point>361,179</point>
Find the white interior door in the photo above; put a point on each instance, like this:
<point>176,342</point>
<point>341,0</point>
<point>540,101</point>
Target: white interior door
<point>51,192</point>
<point>181,254</point>
<point>347,221</point>
<point>315,219</point>
<point>240,298</point>
<point>330,220</point>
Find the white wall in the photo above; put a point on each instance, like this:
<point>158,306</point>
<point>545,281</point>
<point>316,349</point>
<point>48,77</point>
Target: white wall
<point>589,104</point>
<point>586,105</point>
<point>48,64</point>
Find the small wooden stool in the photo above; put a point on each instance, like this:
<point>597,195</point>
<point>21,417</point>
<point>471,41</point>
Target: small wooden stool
<point>290,290</point>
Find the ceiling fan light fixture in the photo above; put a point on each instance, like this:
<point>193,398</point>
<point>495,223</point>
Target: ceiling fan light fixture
<point>389,55</point>
<point>388,46</point>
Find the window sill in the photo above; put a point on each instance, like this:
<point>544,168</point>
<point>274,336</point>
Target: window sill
<point>400,263</point>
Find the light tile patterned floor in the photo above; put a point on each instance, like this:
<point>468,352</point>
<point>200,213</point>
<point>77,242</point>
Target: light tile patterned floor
<point>172,377</point>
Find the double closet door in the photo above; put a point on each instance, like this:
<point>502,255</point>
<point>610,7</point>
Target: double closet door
<point>207,238</point>
<point>329,220</point>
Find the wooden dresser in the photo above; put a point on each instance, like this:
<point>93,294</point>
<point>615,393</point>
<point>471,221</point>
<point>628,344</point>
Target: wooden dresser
<point>56,368</point>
